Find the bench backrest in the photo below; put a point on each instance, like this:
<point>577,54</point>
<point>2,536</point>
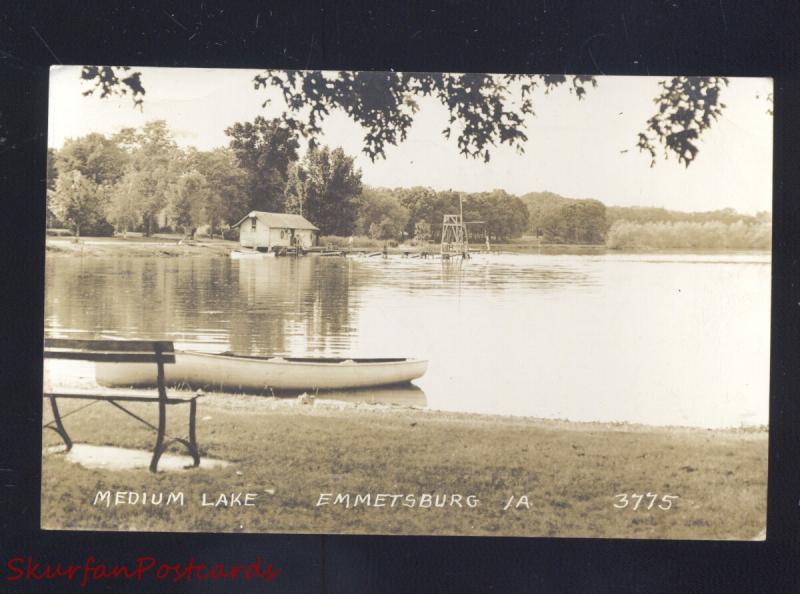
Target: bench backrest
<point>119,351</point>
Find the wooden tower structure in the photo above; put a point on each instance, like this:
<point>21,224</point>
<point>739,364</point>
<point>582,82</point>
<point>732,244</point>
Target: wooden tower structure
<point>455,240</point>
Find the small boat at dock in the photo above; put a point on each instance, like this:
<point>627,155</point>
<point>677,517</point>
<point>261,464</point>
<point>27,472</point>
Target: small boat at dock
<point>246,373</point>
<point>246,254</point>
<point>324,251</point>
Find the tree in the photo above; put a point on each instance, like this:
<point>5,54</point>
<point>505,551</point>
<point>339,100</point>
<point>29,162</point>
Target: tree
<point>297,188</point>
<point>422,231</point>
<point>226,182</point>
<point>542,206</point>
<point>52,176</point>
<point>429,207</point>
<point>549,226</point>
<point>503,215</point>
<point>77,201</point>
<point>98,158</point>
<point>380,214</point>
<point>574,221</point>
<point>189,202</point>
<point>485,109</point>
<point>687,106</point>
<point>561,219</point>
<point>416,201</point>
<point>154,164</point>
<point>325,189</point>
<point>264,150</point>
<point>591,221</point>
<point>52,172</point>
<point>124,209</point>
<point>114,80</point>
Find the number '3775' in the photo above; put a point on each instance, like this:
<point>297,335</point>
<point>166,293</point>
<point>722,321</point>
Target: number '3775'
<point>636,501</point>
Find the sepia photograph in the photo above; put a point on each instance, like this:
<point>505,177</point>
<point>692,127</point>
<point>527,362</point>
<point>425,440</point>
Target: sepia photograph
<point>407,303</point>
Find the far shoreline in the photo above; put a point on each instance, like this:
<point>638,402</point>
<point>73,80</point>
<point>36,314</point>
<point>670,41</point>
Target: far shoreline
<point>174,246</point>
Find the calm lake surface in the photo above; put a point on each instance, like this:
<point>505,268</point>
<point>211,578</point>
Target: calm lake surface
<point>655,339</point>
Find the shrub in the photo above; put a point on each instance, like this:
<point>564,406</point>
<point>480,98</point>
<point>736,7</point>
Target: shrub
<point>59,232</point>
<point>713,235</point>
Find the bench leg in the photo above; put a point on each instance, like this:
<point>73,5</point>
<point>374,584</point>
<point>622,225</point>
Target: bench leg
<point>59,428</point>
<point>192,434</point>
<point>162,414</point>
<point>157,451</point>
<point>161,432</point>
<point>191,444</point>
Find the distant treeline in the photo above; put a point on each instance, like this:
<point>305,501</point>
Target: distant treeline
<point>658,228</point>
<point>690,235</point>
<point>141,180</point>
<point>417,213</point>
<point>647,214</point>
<point>556,219</point>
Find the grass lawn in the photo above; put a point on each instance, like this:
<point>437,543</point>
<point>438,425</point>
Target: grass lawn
<point>289,453</point>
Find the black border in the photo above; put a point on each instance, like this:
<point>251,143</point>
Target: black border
<point>612,37</point>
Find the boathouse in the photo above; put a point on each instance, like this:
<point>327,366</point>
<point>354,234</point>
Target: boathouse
<point>266,230</point>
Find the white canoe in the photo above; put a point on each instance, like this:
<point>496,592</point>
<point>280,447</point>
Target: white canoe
<point>231,372</point>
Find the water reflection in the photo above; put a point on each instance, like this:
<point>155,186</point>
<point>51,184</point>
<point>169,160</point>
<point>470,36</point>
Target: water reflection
<point>403,395</point>
<point>487,272</point>
<point>280,306</point>
<point>293,305</point>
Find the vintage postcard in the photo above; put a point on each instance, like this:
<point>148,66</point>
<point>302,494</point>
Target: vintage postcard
<point>407,303</point>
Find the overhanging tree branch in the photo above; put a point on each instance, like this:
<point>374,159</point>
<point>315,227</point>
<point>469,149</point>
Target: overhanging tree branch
<point>687,106</point>
<point>485,110</point>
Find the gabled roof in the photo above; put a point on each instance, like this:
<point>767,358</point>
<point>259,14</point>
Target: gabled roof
<point>278,220</point>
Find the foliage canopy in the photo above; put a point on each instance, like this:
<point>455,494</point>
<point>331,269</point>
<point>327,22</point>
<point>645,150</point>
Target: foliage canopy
<point>485,110</point>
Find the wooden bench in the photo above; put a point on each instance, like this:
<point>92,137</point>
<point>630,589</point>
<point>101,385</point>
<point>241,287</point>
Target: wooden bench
<point>122,352</point>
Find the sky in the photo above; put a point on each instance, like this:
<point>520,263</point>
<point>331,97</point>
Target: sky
<point>579,149</point>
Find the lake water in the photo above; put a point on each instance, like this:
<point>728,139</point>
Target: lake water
<point>654,339</point>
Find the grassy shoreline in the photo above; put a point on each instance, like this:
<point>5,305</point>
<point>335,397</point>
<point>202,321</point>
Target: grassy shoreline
<point>289,453</point>
<point>158,246</point>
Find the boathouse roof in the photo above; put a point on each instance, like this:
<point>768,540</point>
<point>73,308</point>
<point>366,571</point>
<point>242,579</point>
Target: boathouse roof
<point>278,220</point>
